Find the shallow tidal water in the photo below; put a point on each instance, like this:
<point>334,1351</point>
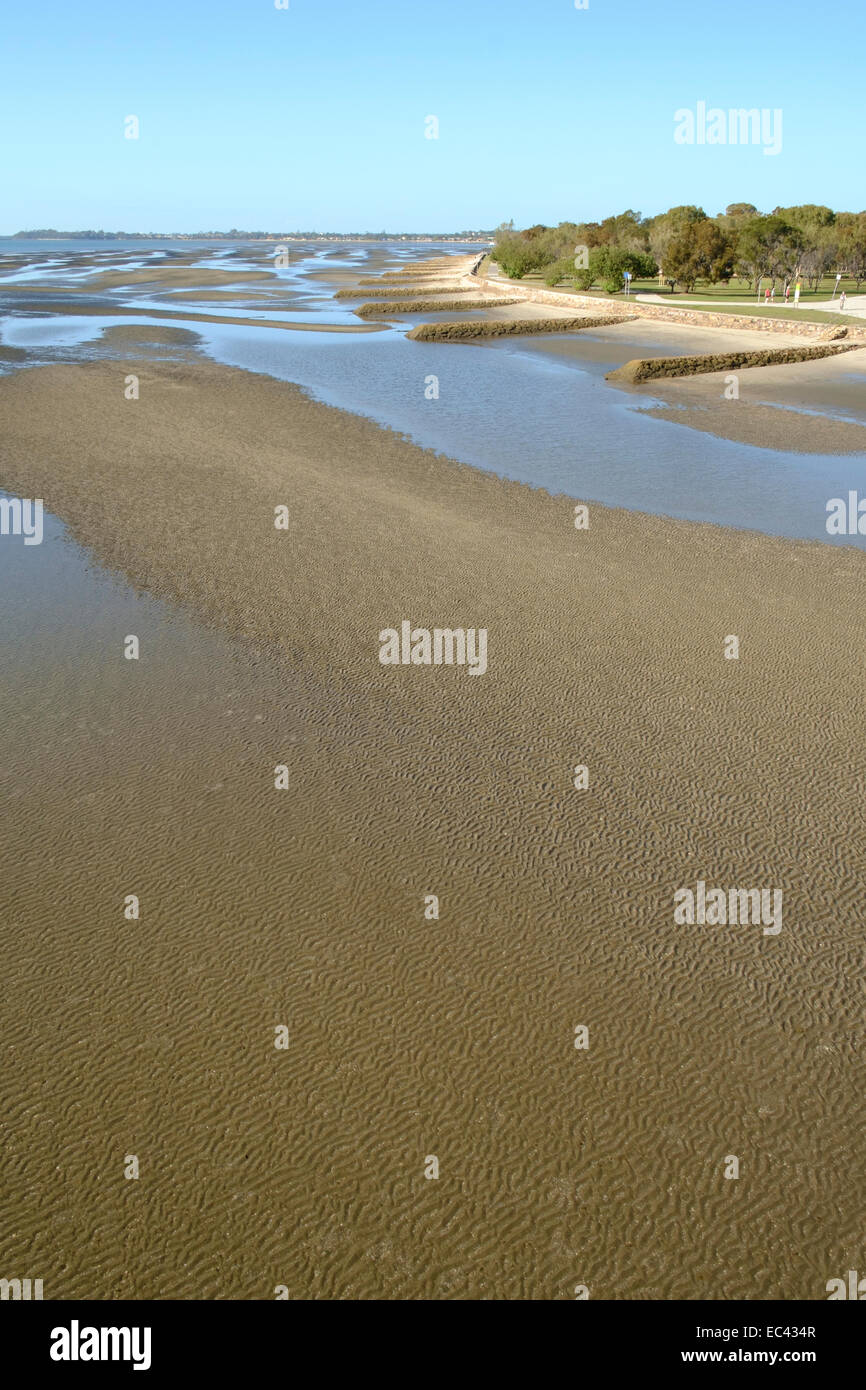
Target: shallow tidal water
<point>539,413</point>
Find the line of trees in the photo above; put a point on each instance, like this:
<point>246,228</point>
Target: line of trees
<point>807,241</point>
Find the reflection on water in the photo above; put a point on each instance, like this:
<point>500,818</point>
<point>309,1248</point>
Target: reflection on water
<point>540,413</point>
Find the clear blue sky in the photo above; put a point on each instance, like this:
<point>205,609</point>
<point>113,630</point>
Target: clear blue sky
<point>314,117</point>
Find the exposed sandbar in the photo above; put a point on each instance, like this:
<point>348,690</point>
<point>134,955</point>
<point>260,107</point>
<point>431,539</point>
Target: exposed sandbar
<point>411,1036</point>
<point>641,369</point>
<point>458,331</point>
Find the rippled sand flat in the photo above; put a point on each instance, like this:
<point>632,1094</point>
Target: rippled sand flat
<point>305,907</point>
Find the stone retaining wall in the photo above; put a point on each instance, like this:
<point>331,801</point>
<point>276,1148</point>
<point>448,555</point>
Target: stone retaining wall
<point>697,318</point>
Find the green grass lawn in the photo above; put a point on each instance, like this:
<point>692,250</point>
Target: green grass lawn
<point>739,290</point>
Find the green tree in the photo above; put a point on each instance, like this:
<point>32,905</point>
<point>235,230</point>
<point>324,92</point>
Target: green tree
<point>806,215</point>
<point>626,231</point>
<point>670,225</point>
<point>769,246</point>
<point>820,254</point>
<point>517,257</point>
<point>852,245</point>
<point>702,251</point>
<point>607,265</point>
<point>560,269</point>
<point>516,253</point>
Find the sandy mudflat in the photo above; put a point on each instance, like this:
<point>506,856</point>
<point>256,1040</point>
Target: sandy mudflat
<point>270,298</point>
<point>411,1037</point>
<point>703,406</point>
<point>174,277</point>
<point>779,407</point>
<point>148,334</point>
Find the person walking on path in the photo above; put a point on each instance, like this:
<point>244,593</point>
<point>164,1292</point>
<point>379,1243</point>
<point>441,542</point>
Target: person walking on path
<point>842,300</point>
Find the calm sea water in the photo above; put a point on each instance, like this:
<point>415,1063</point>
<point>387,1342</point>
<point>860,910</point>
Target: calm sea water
<point>515,408</point>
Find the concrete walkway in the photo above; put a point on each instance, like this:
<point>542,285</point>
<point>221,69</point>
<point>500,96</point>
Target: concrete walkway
<point>855,304</point>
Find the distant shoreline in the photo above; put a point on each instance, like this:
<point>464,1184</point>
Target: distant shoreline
<point>462,238</point>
